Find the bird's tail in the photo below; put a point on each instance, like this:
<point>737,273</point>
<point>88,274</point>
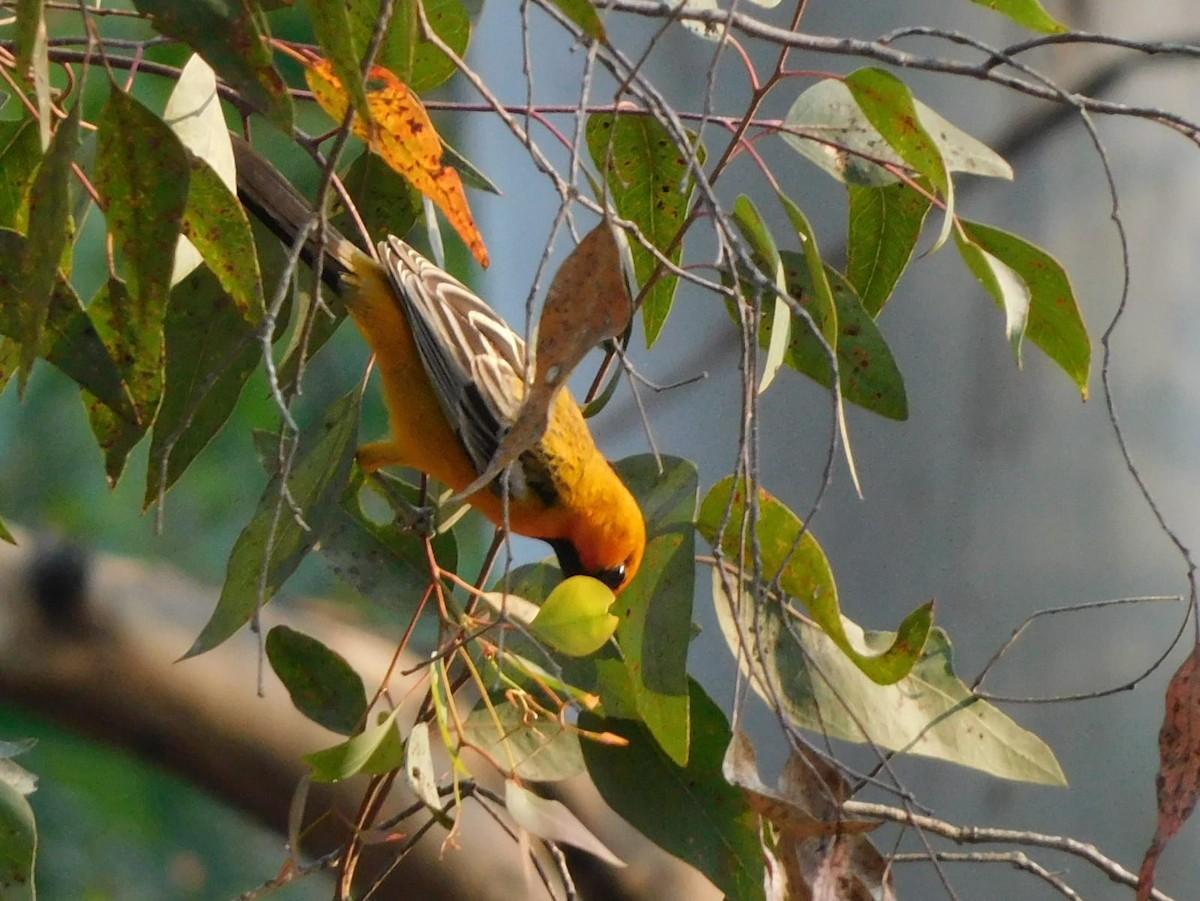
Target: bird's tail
<point>278,205</point>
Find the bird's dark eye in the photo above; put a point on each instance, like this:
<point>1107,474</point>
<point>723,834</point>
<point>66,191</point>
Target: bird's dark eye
<point>614,577</point>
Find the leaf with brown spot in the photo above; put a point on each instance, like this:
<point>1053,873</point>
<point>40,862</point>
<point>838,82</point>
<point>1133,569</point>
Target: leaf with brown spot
<point>403,135</point>
<point>48,231</point>
<point>216,223</point>
<point>137,354</point>
<point>1178,781</point>
<point>588,302</point>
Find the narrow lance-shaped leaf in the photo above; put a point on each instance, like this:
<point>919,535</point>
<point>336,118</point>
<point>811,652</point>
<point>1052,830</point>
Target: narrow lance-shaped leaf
<point>49,230</point>
<point>795,665</point>
<point>792,558</point>
<point>20,155</point>
<point>689,811</point>
<point>30,21</point>
<point>1054,322</point>
<point>750,222</point>
<point>33,61</point>
<point>271,547</point>
<point>142,175</point>
<point>5,534</point>
<point>647,175</point>
<point>136,346</point>
<point>889,105</point>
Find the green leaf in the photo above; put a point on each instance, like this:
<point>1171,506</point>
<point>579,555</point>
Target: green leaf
<point>322,685</point>
<point>930,711</point>
<point>655,610</point>
<point>1007,288</point>
<point>386,200</point>
<point>48,231</point>
<point>792,559</point>
<point>69,340</point>
<point>417,62</point>
<point>541,748</point>
<point>216,224</point>
<point>210,353</point>
<point>1029,13</point>
<point>891,108</point>
<point>869,375</point>
<point>750,222</point>
<point>553,821</point>
<point>332,27</point>
<point>386,563</point>
<point>1054,323</point>
<point>574,619</point>
<point>136,346</point>
<point>817,294</point>
<point>884,225</point>
<point>376,750</point>
<point>271,547</point>
<point>30,22</point>
<point>827,127</point>
<point>647,174</point>
<point>583,14</point>
<point>472,176</point>
<point>691,812</point>
<point>5,534</point>
<point>18,847</point>
<point>142,175</point>
<point>232,39</point>
<point>20,154</point>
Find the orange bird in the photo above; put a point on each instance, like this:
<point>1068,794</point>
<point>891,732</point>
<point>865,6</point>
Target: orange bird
<point>453,379</point>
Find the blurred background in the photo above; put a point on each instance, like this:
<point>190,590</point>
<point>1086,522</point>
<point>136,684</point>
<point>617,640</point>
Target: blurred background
<point>1001,495</point>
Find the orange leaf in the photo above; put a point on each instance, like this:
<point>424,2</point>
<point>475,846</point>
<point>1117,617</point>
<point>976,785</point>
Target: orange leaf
<point>403,135</point>
<point>1179,765</point>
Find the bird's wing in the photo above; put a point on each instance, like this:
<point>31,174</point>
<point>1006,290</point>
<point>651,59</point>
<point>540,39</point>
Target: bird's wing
<point>475,362</point>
